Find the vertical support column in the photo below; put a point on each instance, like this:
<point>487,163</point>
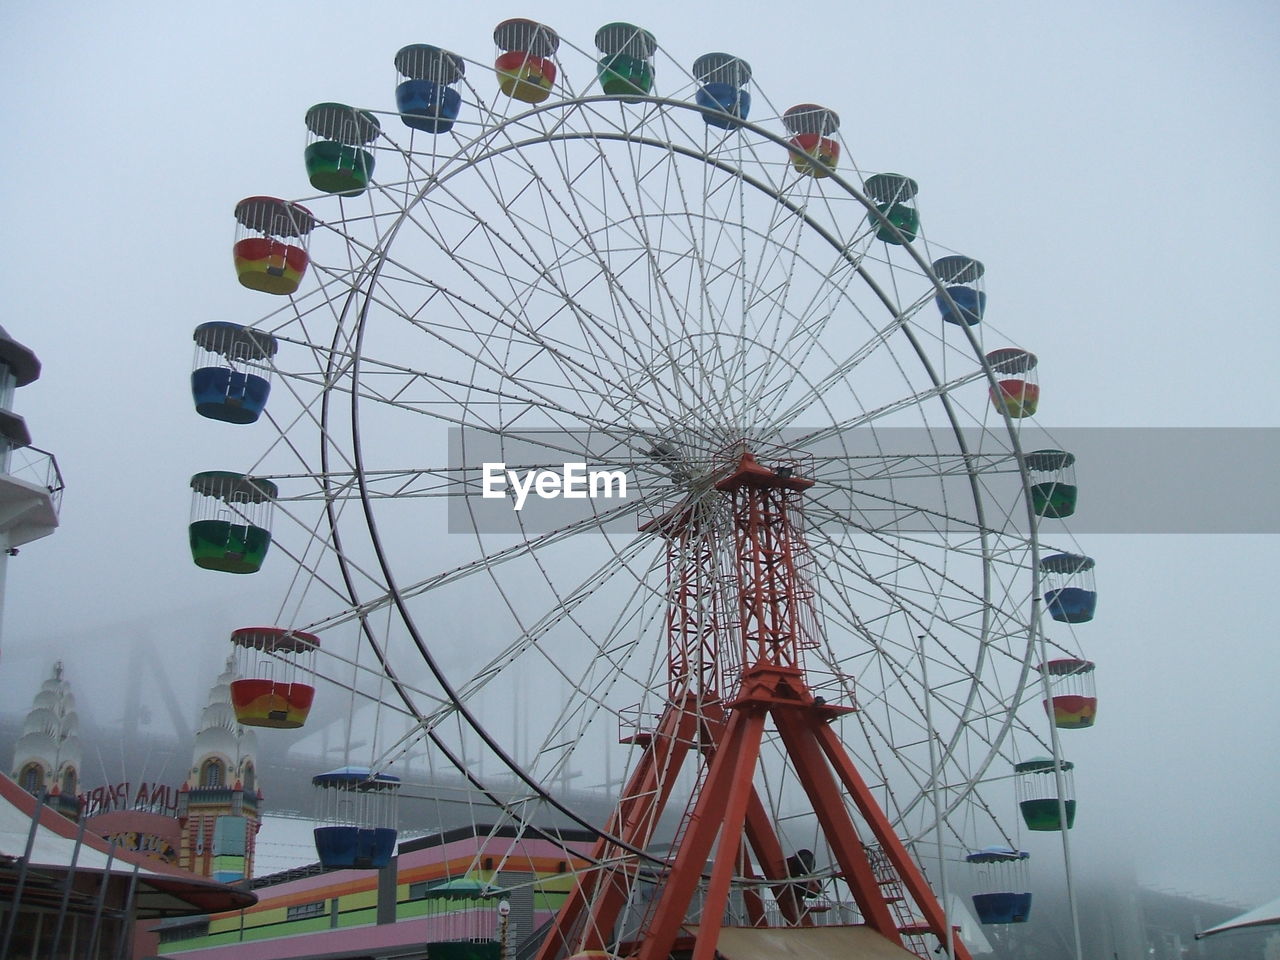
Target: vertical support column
<point>693,628</point>
<point>388,878</point>
<point>765,548</point>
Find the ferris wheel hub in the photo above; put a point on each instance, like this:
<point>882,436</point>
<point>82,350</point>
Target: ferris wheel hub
<point>755,475</point>
<point>771,685</point>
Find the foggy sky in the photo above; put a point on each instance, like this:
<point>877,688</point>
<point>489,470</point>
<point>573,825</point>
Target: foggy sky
<point>1113,168</point>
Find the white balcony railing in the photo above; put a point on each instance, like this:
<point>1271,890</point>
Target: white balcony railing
<point>39,468</point>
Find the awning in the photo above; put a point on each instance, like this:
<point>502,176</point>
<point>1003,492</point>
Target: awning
<point>1266,915</point>
<point>162,891</point>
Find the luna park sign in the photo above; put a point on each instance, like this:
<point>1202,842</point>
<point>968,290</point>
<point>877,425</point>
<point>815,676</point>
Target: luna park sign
<point>148,797</point>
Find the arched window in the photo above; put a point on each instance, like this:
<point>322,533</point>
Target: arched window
<point>248,779</point>
<point>31,779</point>
<point>69,782</point>
<point>213,773</point>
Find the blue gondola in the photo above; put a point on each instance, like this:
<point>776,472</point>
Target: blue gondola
<point>426,97</point>
<point>722,77</point>
<point>1002,877</point>
<point>229,379</point>
<point>964,303</point>
<point>358,807</point>
<point>1069,596</point>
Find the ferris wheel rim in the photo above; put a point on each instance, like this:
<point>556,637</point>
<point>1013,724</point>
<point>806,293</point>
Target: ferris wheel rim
<point>387,239</point>
<point>491,121</point>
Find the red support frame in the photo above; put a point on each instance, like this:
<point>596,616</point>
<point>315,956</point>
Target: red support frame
<point>775,625</point>
<point>693,614</point>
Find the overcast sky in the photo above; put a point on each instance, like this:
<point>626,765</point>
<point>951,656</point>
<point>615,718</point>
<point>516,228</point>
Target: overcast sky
<point>1113,166</point>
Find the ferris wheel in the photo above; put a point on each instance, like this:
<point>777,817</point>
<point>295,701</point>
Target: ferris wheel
<point>579,361</point>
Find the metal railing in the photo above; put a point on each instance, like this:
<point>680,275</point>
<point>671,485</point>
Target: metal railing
<point>40,468</point>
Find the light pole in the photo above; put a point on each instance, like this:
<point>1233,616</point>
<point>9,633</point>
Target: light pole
<point>504,913</point>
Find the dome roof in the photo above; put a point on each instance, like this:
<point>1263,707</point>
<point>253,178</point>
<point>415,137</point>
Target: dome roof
<point>220,732</point>
<point>220,715</point>
<point>42,720</point>
<point>215,740</point>
<point>34,746</point>
<point>50,727</point>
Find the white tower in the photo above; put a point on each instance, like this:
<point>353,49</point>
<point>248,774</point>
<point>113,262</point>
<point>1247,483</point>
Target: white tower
<point>218,806</point>
<point>46,758</point>
<point>30,484</point>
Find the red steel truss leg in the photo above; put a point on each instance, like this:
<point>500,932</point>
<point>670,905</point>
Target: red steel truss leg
<point>820,786</point>
<point>643,800</point>
<point>775,625</point>
<point>893,847</point>
<point>728,779</point>
<point>773,862</point>
<point>746,752</point>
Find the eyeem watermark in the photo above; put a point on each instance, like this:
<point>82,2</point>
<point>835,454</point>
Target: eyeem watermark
<point>892,480</point>
<point>573,481</point>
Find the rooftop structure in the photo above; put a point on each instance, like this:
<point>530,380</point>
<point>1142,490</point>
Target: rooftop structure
<point>30,483</point>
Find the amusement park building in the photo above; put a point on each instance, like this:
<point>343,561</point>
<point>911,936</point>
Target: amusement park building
<point>208,825</point>
<point>443,892</point>
<point>46,758</point>
<point>67,893</point>
<point>77,870</point>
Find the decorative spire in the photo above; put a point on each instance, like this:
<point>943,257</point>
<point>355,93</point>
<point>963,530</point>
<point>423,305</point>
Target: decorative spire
<point>46,757</point>
<point>218,805</point>
<point>223,752</point>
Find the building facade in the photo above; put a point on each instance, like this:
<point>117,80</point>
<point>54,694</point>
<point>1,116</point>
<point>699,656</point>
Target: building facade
<point>46,758</point>
<point>441,896</point>
<point>219,805</point>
